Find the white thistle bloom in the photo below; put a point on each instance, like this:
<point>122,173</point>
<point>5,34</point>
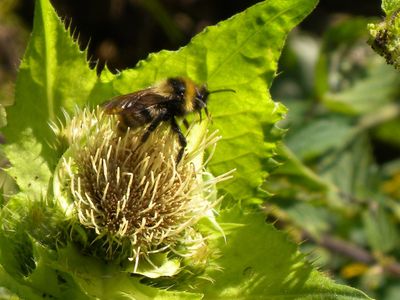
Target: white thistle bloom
<point>133,193</point>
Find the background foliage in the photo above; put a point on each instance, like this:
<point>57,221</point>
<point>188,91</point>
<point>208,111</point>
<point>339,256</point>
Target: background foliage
<point>340,179</point>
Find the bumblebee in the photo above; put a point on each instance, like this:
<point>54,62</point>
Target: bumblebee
<point>163,102</point>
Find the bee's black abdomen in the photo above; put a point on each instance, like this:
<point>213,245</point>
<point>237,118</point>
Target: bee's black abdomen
<point>146,115</point>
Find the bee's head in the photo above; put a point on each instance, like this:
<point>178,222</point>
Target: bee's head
<point>192,97</point>
<point>178,87</point>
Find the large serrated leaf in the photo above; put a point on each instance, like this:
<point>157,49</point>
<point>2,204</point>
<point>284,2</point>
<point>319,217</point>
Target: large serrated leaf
<point>240,53</point>
<point>53,74</point>
<point>30,169</point>
<point>258,262</point>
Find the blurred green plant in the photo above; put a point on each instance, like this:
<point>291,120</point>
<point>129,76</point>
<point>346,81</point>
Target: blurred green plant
<point>338,187</point>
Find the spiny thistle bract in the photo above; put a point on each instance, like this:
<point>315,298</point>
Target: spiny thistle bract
<point>132,196</point>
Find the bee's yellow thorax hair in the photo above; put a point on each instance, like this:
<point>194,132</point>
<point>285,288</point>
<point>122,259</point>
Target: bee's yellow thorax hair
<point>190,95</point>
<point>164,89</point>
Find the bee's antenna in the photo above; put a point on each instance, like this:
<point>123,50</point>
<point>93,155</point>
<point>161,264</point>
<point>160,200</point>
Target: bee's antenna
<point>222,90</point>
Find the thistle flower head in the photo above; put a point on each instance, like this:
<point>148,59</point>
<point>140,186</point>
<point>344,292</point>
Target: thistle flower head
<point>131,194</point>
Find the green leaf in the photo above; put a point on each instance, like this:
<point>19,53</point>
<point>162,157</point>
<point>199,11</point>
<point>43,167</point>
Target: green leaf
<point>53,74</point>
<point>53,67</point>
<point>18,288</point>
<point>319,136</point>
<point>333,55</point>
<point>392,291</point>
<point>367,94</point>
<point>258,262</point>
<point>299,173</point>
<point>90,278</point>
<point>240,53</point>
<point>381,231</point>
<point>349,80</point>
<point>32,270</point>
<point>350,169</point>
<point>29,168</point>
<point>314,220</point>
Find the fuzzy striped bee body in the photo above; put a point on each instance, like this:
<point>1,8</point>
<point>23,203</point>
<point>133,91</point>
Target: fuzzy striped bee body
<point>173,97</point>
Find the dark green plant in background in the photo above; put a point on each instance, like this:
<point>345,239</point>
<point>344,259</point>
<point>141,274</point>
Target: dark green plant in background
<point>47,251</point>
<point>339,186</point>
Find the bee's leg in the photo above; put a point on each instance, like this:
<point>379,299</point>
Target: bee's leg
<point>186,123</point>
<point>153,125</point>
<point>181,138</point>
<point>200,116</point>
<point>122,127</point>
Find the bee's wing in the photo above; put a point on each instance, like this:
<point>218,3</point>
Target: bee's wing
<point>134,102</point>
